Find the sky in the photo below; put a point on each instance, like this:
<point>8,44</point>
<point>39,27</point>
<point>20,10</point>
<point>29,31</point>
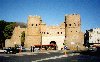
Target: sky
<point>52,12</point>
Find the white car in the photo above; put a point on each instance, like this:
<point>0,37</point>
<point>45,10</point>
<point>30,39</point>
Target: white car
<point>3,51</point>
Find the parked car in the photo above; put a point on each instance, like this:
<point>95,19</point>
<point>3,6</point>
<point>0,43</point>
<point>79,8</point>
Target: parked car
<point>12,50</point>
<point>18,49</point>
<point>3,51</point>
<point>23,49</point>
<point>92,49</point>
<point>8,50</point>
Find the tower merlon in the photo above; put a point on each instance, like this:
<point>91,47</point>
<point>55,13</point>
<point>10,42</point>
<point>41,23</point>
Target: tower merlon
<point>35,16</point>
<point>72,14</point>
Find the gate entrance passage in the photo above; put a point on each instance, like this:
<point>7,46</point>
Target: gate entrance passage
<point>53,43</point>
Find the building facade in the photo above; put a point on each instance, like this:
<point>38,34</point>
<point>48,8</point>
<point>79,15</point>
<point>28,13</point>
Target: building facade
<point>37,33</point>
<point>92,37</point>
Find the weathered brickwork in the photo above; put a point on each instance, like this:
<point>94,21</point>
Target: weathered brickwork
<point>73,35</point>
<point>33,36</point>
<point>37,32</point>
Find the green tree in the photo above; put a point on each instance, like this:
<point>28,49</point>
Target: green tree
<point>8,30</point>
<point>22,38</point>
<point>2,38</point>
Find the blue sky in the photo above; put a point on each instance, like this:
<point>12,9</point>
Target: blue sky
<point>52,11</point>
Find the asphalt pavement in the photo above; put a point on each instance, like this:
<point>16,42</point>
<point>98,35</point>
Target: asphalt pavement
<point>47,56</point>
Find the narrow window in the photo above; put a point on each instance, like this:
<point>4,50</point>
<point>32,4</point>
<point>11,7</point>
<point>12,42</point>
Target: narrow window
<point>36,24</point>
<point>44,32</point>
<point>47,33</point>
<point>66,25</point>
<point>74,24</point>
<point>98,40</point>
<point>32,24</point>
<point>78,24</point>
<point>58,32</point>
<point>92,42</point>
<point>61,32</point>
<point>97,31</point>
<point>69,24</point>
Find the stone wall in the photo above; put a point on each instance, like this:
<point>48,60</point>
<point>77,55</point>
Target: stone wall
<point>33,31</point>
<point>37,32</point>
<point>73,35</point>
<point>16,37</point>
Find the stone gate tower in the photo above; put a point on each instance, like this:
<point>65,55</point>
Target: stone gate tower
<point>73,34</point>
<point>33,31</point>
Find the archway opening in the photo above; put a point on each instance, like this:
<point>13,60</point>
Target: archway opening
<point>53,42</point>
<point>54,45</point>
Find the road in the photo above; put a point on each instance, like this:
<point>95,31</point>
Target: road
<point>57,56</point>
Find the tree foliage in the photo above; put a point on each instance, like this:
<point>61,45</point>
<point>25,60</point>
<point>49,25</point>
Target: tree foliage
<point>8,30</point>
<point>2,27</point>
<point>22,38</point>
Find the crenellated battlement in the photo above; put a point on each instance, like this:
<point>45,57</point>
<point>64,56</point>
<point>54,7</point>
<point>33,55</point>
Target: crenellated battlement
<point>35,16</point>
<point>72,14</point>
<point>37,32</point>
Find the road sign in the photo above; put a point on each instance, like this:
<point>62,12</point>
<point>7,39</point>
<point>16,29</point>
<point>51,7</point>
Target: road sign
<point>65,47</point>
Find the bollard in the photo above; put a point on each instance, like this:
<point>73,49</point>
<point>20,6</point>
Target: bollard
<point>31,48</point>
<point>65,51</point>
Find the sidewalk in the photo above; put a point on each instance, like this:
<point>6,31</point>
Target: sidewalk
<point>38,52</point>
